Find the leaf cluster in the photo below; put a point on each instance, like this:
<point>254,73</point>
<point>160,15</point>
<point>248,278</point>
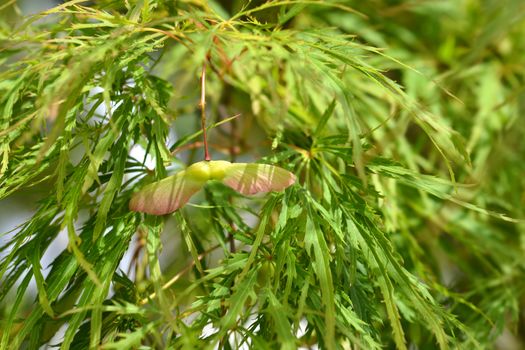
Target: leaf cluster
<point>402,230</point>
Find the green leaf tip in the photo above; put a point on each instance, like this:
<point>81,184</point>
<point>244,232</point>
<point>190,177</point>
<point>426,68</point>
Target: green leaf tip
<point>168,195</point>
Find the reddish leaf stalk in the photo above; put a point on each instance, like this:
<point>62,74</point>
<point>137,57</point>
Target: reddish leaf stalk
<point>203,112</point>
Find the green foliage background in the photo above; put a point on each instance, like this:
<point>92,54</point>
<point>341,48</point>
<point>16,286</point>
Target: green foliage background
<point>403,121</point>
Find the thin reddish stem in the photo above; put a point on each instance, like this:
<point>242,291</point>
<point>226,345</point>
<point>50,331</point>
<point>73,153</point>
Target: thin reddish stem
<point>203,112</point>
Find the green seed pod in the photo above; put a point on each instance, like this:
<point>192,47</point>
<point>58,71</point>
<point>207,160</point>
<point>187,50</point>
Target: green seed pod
<point>171,193</point>
<point>266,273</point>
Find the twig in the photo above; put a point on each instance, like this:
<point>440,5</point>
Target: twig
<point>180,273</point>
<point>217,147</point>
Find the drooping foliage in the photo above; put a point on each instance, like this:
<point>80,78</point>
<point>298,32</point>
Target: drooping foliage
<point>401,120</point>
